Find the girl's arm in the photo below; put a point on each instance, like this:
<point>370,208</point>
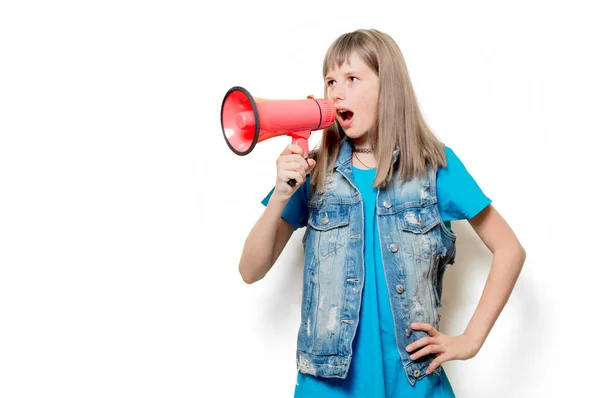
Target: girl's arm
<point>265,242</point>
<point>270,234</point>
<point>508,259</point>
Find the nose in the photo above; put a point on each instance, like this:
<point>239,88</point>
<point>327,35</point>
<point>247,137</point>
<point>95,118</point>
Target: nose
<point>337,94</point>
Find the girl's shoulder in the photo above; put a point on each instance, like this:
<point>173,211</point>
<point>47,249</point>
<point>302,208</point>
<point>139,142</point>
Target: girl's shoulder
<point>459,194</point>
<point>453,162</point>
<point>450,154</point>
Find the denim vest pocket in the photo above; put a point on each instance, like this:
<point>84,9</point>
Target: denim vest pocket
<point>416,224</point>
<point>330,225</point>
<point>418,219</point>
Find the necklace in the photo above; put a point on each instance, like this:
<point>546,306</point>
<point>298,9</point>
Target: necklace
<point>363,150</point>
<point>357,158</point>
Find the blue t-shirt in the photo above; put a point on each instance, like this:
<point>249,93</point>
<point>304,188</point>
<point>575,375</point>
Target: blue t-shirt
<point>376,369</point>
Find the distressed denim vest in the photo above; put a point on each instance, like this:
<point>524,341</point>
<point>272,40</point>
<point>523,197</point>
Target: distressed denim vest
<point>416,247</point>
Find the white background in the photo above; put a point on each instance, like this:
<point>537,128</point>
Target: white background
<point>123,212</point>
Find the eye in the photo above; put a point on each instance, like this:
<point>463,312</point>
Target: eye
<point>353,79</point>
<point>330,83</point>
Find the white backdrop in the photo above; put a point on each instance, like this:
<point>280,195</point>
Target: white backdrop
<point>123,212</point>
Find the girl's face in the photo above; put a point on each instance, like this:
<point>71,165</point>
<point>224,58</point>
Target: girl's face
<point>354,90</point>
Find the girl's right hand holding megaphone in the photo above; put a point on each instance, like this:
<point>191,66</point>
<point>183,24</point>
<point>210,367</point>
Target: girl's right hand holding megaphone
<point>291,165</point>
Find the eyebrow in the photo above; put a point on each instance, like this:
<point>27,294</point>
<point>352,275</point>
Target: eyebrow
<point>353,73</point>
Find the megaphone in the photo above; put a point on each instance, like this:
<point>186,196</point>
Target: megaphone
<point>246,120</point>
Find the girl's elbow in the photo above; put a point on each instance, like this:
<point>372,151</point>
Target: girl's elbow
<point>248,276</point>
<point>520,253</point>
<point>523,254</point>
<point>514,252</point>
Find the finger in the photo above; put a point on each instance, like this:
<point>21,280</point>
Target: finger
<point>292,148</point>
<point>294,175</point>
<point>430,349</point>
<point>424,327</point>
<point>422,342</point>
<point>437,362</point>
<point>294,167</point>
<point>294,158</point>
<point>297,166</point>
<point>287,175</point>
<point>311,165</point>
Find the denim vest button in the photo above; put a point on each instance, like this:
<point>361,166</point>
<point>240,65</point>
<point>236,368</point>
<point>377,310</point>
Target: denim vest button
<point>408,332</point>
<point>421,223</point>
<point>400,289</point>
<point>394,247</point>
<point>387,204</point>
<point>417,373</point>
<point>325,219</point>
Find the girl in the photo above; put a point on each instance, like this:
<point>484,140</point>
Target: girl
<point>376,206</point>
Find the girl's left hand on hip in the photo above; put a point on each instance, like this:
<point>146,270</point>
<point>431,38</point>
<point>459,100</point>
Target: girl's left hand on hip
<point>449,348</point>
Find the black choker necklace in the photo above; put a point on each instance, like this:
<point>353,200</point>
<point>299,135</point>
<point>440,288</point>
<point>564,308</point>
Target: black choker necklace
<point>363,150</point>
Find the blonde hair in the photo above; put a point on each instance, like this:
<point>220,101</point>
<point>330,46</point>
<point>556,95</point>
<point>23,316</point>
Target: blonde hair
<point>399,123</point>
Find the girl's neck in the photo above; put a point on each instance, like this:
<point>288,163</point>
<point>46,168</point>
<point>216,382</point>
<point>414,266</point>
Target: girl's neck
<point>364,161</point>
<point>361,142</point>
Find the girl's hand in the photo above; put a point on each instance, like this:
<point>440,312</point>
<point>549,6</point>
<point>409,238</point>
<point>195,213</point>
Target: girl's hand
<point>291,165</point>
<point>449,348</point>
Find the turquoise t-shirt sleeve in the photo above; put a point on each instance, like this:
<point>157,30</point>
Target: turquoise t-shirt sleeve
<point>459,195</point>
<point>296,210</point>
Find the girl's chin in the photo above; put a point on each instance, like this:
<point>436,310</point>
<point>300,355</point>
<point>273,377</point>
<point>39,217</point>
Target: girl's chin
<point>352,133</point>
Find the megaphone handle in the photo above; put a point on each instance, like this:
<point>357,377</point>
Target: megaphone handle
<point>302,142</point>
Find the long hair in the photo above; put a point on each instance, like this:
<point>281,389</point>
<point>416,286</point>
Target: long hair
<point>399,123</point>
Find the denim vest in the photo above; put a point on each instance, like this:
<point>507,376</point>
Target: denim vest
<point>416,247</point>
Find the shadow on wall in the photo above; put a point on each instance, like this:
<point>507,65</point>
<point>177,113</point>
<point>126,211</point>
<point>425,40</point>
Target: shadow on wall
<point>285,290</point>
<point>513,363</point>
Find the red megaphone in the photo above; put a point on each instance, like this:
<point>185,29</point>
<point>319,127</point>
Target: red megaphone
<point>246,120</point>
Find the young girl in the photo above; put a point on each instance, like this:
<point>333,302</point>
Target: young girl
<point>377,207</point>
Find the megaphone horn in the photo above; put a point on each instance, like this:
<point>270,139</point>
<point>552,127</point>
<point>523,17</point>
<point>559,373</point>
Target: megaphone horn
<point>246,120</point>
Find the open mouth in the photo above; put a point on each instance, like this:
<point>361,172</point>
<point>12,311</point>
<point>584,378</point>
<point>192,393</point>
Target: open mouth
<point>345,116</point>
